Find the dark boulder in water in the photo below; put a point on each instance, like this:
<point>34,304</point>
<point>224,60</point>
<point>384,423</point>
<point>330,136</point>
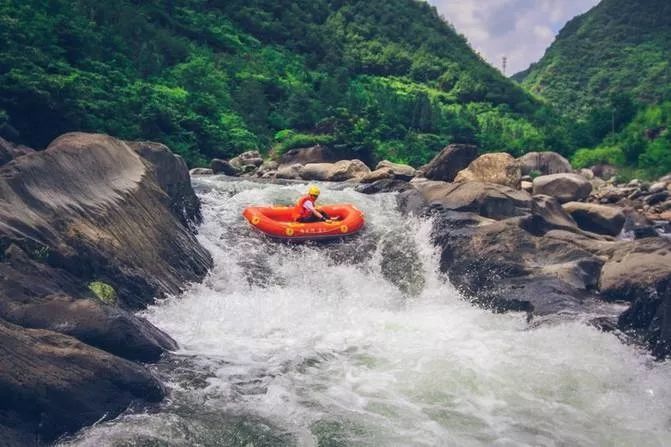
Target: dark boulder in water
<point>92,229</point>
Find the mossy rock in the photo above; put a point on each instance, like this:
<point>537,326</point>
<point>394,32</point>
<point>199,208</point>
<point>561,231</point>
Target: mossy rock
<point>104,292</point>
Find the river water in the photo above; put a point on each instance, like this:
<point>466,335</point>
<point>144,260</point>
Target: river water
<point>364,343</point>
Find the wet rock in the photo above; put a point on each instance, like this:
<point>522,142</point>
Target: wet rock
<point>412,202</point>
<point>93,207</point>
<point>564,187</point>
<point>636,268</point>
<point>645,232</point>
<point>384,185</point>
<point>600,219</point>
<point>499,168</point>
<point>172,175</point>
<point>654,199</point>
<point>219,166</point>
<point>201,171</point>
<point>446,165</point>
<point>52,384</point>
<point>487,199</point>
<point>61,303</point>
<point>544,163</point>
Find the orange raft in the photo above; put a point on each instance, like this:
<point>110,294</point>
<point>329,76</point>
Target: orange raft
<point>278,222</point>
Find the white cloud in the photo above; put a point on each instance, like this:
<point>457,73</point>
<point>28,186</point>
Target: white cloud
<point>521,30</point>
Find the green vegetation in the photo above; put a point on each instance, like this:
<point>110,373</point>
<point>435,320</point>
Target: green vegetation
<point>644,145</point>
<point>104,292</point>
<point>609,71</point>
<point>212,78</point>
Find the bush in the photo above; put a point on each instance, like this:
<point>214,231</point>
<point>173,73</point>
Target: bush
<point>584,158</point>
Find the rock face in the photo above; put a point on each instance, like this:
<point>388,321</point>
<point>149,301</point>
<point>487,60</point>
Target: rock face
<point>90,209</point>
<point>564,187</point>
<point>52,384</point>
<point>545,163</point>
<point>500,168</point>
<point>487,199</point>
<point>600,219</point>
<point>446,165</point>
<point>10,151</point>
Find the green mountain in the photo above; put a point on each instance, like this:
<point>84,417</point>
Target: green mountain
<point>211,78</point>
<point>620,47</point>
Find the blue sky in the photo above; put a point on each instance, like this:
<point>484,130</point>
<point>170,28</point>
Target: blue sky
<point>518,29</point>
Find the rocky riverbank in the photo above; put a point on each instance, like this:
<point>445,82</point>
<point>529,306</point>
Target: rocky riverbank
<point>91,229</point>
<point>528,234</point>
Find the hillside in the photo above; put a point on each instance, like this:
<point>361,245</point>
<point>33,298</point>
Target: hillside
<point>620,47</point>
<point>210,79</point>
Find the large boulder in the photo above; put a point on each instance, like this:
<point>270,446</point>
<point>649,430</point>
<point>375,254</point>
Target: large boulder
<point>487,199</point>
<point>604,171</point>
<point>247,161</point>
<point>378,174</point>
<point>172,176</point>
<point>9,151</point>
<point>220,166</point>
<point>502,265</point>
<point>289,172</point>
<point>564,187</point>
<point>398,171</point>
<point>640,272</point>
<point>52,384</point>
<point>446,165</point>
<point>335,172</point>
<point>544,163</point>
<point>303,156</point>
<point>636,269</point>
<point>600,219</point>
<point>61,303</point>
<point>500,168</point>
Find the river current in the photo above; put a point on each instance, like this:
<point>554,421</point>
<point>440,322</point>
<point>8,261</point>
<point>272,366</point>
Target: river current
<point>363,342</point>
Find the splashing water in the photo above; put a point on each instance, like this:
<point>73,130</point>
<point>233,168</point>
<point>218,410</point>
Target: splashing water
<point>363,343</point>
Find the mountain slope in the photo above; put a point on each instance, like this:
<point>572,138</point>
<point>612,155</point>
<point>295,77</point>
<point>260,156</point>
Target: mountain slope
<point>620,47</point>
<point>212,78</point>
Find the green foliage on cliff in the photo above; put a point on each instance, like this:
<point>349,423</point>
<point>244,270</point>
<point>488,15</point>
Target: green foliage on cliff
<point>644,145</point>
<point>620,47</point>
<point>372,78</point>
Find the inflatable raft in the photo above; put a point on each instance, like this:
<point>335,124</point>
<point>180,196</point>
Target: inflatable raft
<point>277,222</point>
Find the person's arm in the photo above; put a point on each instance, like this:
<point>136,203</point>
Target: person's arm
<point>309,206</point>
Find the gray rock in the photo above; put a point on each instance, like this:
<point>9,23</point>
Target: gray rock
<point>398,171</point>
<point>487,199</point>
<point>544,163</point>
<point>384,185</point>
<point>290,172</point>
<point>659,197</point>
<point>500,168</point>
<point>600,219</point>
<point>219,166</point>
<point>564,187</point>
<point>335,172</point>
<point>657,187</point>
<point>201,171</point>
<point>446,165</point>
<point>604,171</point>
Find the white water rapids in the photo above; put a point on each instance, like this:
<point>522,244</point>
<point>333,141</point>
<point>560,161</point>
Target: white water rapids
<point>364,343</point>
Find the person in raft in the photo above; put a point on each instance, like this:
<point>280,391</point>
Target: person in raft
<point>306,211</point>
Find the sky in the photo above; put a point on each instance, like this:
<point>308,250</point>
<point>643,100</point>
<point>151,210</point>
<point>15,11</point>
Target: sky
<point>521,30</point>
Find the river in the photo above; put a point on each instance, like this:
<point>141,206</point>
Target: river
<point>364,343</point>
